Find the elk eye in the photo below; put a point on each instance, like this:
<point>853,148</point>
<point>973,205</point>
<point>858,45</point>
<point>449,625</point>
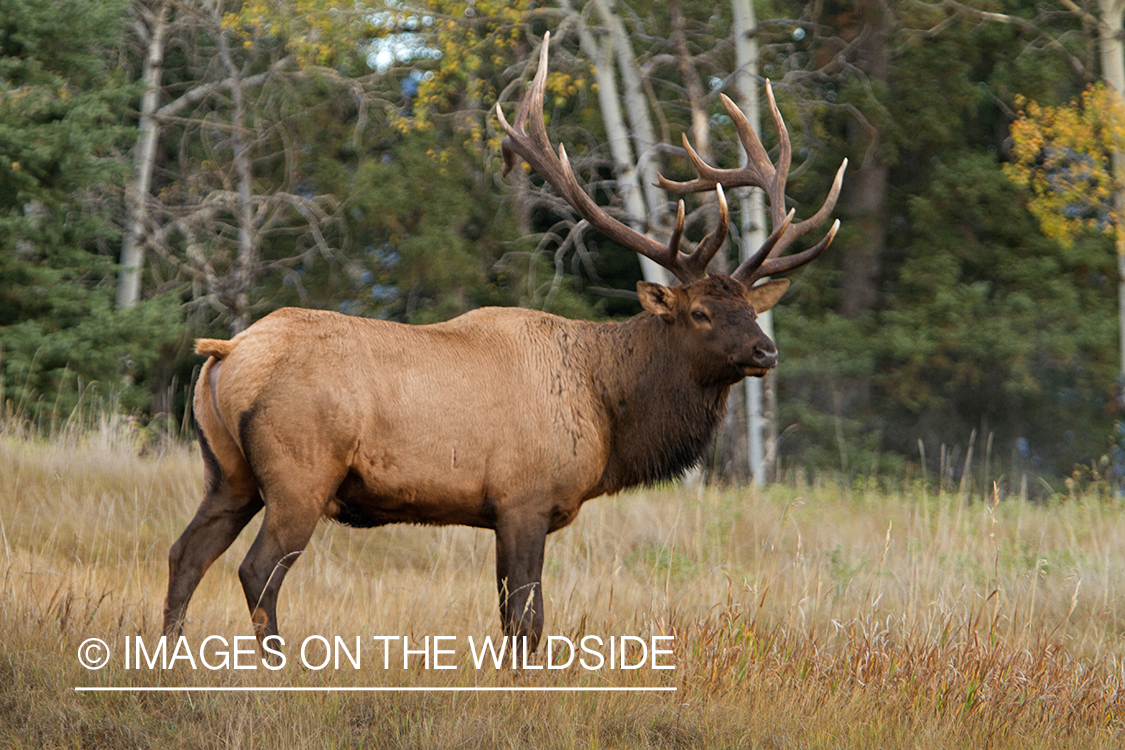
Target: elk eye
<point>699,316</point>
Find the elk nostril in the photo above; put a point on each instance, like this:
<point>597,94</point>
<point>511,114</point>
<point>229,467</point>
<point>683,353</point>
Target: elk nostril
<point>765,357</point>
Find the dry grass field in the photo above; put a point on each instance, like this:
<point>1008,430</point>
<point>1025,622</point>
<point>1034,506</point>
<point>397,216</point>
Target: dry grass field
<point>803,617</point>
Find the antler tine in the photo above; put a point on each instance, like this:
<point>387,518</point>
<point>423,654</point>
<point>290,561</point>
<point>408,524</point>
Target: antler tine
<point>784,150</point>
<point>749,272</point>
<point>758,172</point>
<point>752,263</point>
<point>708,177</point>
<point>710,244</point>
<point>677,233</point>
<point>804,227</point>
<point>789,262</point>
<point>528,139</point>
<point>532,103</point>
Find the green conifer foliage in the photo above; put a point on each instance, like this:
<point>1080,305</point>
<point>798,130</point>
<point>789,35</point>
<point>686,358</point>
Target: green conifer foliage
<point>64,136</point>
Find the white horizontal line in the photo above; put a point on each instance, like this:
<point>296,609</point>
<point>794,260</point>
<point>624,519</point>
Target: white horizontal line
<point>114,689</point>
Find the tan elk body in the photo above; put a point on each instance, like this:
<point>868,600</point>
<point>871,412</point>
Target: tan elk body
<point>502,418</point>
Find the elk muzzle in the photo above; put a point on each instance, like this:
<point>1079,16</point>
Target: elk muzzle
<point>762,359</point>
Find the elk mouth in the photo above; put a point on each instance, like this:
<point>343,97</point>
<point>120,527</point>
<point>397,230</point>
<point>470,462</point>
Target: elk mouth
<point>758,363</point>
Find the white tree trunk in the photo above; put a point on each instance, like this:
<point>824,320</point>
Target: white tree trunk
<point>636,109</point>
<point>1113,70</point>
<point>246,266</point>
<point>760,419</point>
<point>602,54</point>
<point>136,197</point>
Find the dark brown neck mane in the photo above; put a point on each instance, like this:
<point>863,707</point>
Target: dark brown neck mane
<point>662,420</point>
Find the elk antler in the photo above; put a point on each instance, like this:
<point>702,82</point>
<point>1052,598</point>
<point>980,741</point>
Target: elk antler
<point>760,172</point>
<point>528,139</point>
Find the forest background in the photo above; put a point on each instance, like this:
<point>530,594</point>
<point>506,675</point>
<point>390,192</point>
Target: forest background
<point>170,170</point>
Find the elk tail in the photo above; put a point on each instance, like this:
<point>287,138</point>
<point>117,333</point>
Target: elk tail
<point>216,348</point>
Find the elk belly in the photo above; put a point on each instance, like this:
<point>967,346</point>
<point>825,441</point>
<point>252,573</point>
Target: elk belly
<point>363,502</point>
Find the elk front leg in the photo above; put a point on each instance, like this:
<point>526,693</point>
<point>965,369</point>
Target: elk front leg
<point>519,569</point>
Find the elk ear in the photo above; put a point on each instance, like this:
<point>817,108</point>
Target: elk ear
<point>766,296</point>
<point>658,300</point>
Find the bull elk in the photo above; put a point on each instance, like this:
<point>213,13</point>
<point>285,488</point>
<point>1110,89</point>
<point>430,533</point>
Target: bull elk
<point>504,419</point>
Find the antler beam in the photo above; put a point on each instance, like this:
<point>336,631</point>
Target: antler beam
<point>527,138</point>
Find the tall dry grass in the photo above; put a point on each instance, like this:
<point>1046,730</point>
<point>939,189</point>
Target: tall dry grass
<point>804,616</point>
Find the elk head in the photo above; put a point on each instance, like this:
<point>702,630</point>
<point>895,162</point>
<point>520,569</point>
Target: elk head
<point>714,320</point>
<point>718,310</point>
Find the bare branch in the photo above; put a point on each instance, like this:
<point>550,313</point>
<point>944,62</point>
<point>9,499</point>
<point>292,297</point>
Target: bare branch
<point>1024,25</point>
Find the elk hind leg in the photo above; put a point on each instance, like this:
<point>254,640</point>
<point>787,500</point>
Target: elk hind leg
<point>290,521</point>
<point>230,501</point>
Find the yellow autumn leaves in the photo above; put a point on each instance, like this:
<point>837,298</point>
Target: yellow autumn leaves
<point>313,30</point>
<point>468,42</point>
<point>1065,156</point>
